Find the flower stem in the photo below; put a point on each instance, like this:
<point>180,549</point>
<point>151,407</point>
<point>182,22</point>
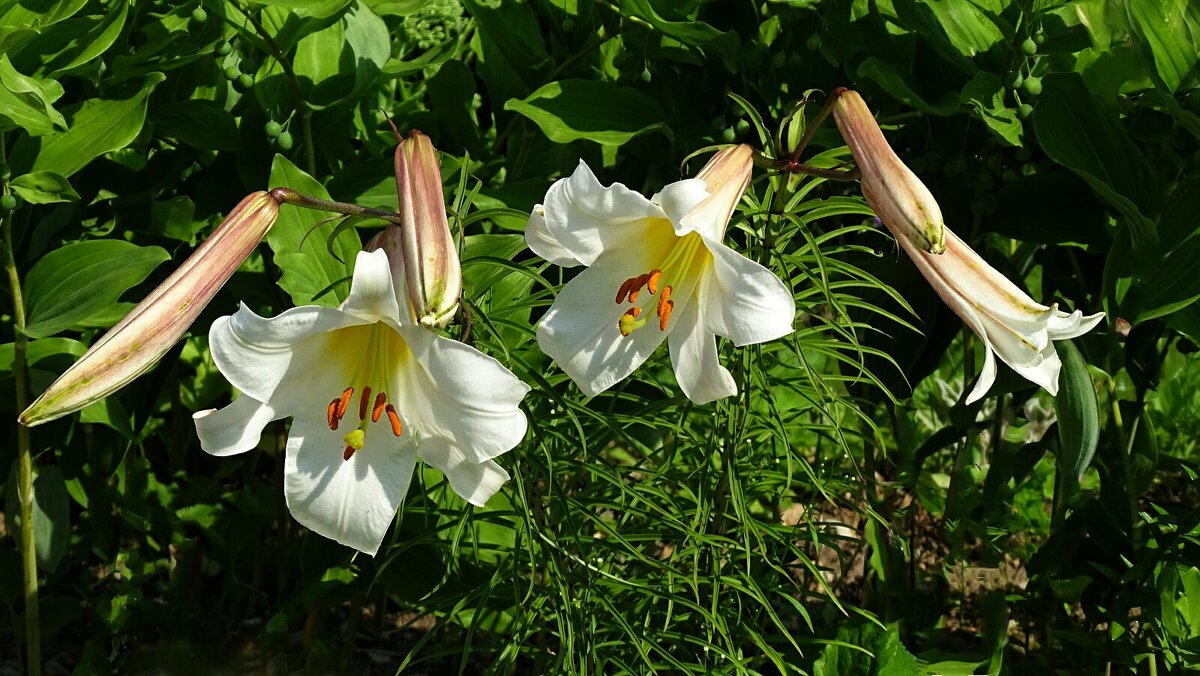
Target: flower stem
<point>289,196</point>
<point>33,640</point>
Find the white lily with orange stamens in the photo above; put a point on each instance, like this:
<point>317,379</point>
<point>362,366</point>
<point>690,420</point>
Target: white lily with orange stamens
<point>1010,323</point>
<point>135,344</point>
<point>656,270</point>
<point>370,393</point>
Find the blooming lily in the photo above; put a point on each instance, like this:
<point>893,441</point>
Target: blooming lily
<point>369,393</point>
<point>1010,323</point>
<point>656,270</point>
<point>135,343</point>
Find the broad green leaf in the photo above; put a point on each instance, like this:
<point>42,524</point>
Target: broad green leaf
<point>1078,412</point>
<point>957,30</point>
<point>199,123</point>
<point>101,37</point>
<point>603,112</point>
<point>1143,457</point>
<point>25,102</point>
<point>513,29</point>
<point>37,350</point>
<point>97,126</point>
<point>1080,133</point>
<point>309,268</point>
<point>290,22</point>
<point>341,61</point>
<point>1171,280</point>
<point>51,514</point>
<point>693,33</point>
<point>71,43</point>
<point>44,187</point>
<point>896,82</point>
<point>1171,31</point>
<point>74,283</point>
<point>985,94</point>
<point>1179,599</point>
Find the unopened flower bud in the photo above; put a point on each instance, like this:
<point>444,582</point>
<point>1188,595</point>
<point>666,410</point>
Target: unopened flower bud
<point>136,343</point>
<point>900,199</point>
<point>433,274</point>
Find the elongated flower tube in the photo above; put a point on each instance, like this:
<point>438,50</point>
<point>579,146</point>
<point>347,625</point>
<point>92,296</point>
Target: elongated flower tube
<point>898,197</point>
<point>656,270</point>
<point>369,393</point>
<point>135,344</point>
<point>433,274</point>
<point>1010,323</point>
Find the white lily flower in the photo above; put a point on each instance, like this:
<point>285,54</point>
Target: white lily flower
<point>672,278</point>
<point>413,393</point>
<point>1010,323</point>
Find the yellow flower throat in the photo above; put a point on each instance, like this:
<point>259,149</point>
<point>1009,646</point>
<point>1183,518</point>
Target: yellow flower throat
<point>677,263</point>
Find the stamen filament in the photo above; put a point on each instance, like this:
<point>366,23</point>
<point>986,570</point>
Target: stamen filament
<point>394,419</point>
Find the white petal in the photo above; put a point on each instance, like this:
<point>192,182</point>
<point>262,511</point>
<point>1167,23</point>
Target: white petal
<point>1044,372</point>
<point>234,429</point>
<point>543,243</point>
<point>373,297</point>
<point>1063,326</point>
<point>986,377</point>
<point>744,301</point>
<point>475,482</point>
<point>694,356</point>
<point>456,391</point>
<point>351,501</point>
<point>678,199</point>
<point>256,354</point>
<point>587,218</point>
<point>580,331</point>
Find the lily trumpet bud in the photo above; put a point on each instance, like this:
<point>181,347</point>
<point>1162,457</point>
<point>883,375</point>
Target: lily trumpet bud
<point>432,272</point>
<point>898,197</point>
<point>136,343</point>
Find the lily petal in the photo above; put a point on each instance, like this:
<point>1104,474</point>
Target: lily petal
<point>744,301</point>
<point>580,333</point>
<point>464,395</point>
<point>234,429</point>
<point>543,243</point>
<point>257,355</point>
<point>678,199</point>
<point>372,294</point>
<point>475,482</point>
<point>587,218</point>
<point>351,501</point>
<point>697,365</point>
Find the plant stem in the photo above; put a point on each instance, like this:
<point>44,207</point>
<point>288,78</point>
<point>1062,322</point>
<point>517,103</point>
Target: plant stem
<point>33,640</point>
<point>289,196</point>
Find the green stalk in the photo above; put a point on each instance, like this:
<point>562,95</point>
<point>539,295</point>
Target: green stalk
<point>33,639</point>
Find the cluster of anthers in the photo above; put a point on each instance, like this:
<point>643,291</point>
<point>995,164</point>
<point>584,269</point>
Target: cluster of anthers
<point>357,437</point>
<point>630,289</point>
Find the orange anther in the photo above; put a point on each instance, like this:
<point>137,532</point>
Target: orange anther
<point>638,283</point>
<point>652,280</point>
<point>394,419</point>
<point>344,401</point>
<point>363,402</point>
<point>664,314</point>
<point>380,400</point>
<point>624,290</point>
<point>663,300</point>
<point>348,452</point>
<point>331,416</point>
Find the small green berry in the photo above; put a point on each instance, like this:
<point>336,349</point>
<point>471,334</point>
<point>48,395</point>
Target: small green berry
<point>1015,80</point>
<point>8,203</point>
<point>779,60</point>
<point>729,135</point>
<point>742,127</point>
<point>1024,111</point>
<point>1029,47</point>
<point>245,81</point>
<point>718,123</point>
<point>1032,86</point>
<point>273,129</point>
<point>232,72</point>
<point>1039,36</point>
<point>813,43</point>
<point>568,25</point>
<point>199,15</point>
<point>646,75</point>
<point>795,60</point>
<point>284,141</point>
<point>224,49</point>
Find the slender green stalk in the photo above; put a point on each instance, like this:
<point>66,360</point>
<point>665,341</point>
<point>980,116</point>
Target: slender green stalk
<point>289,196</point>
<point>33,639</point>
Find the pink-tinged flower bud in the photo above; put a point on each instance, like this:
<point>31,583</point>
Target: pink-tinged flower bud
<point>432,271</point>
<point>131,347</point>
<point>898,197</point>
<point>726,176</point>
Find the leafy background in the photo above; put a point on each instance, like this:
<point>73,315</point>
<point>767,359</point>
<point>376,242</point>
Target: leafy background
<point>845,514</point>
